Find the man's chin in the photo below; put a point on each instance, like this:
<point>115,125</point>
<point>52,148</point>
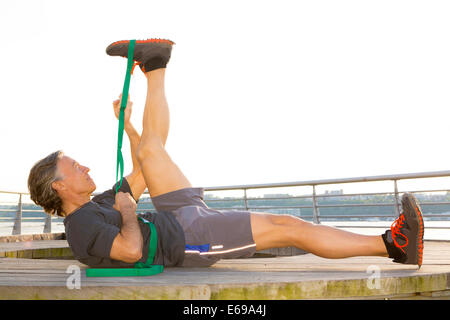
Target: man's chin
<point>93,187</point>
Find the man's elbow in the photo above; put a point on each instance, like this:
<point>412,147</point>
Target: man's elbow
<point>133,255</point>
<point>137,255</point>
<point>125,251</point>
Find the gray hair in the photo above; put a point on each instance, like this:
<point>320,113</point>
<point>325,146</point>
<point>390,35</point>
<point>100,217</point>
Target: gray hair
<point>42,175</point>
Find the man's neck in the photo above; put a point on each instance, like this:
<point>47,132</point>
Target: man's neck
<point>75,202</point>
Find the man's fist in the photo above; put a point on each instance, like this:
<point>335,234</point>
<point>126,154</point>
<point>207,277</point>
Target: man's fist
<point>125,203</point>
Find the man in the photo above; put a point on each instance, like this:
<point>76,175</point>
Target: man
<point>105,231</point>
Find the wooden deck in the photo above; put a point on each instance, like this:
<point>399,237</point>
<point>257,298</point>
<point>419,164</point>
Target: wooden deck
<point>38,270</point>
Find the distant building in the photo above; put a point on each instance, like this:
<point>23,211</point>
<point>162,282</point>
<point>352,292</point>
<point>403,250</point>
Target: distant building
<point>332,192</point>
<point>277,195</point>
<point>210,196</point>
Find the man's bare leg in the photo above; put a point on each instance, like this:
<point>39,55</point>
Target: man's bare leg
<point>275,231</point>
<point>161,174</point>
<point>156,119</point>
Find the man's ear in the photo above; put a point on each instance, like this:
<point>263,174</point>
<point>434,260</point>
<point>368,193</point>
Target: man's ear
<point>58,185</point>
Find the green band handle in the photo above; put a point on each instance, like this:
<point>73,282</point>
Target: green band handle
<point>153,244</point>
<point>123,105</point>
<point>124,272</point>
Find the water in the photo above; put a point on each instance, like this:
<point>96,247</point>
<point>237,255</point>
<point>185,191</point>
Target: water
<point>369,228</point>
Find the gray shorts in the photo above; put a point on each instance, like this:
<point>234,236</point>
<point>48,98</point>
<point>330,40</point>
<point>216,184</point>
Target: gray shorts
<point>210,234</point>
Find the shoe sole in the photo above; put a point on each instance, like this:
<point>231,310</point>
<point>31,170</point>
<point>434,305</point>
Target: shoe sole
<point>161,47</point>
<point>411,205</point>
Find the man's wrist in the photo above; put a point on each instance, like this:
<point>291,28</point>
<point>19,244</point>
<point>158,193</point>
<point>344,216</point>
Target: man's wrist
<point>128,211</point>
<point>128,125</point>
<point>129,128</point>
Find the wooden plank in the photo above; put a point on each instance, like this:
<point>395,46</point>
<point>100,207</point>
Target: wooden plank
<point>32,237</point>
<point>25,254</point>
<point>43,244</point>
<point>238,275</point>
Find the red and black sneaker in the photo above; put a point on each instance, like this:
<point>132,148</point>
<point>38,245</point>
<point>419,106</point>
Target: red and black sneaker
<point>149,54</point>
<point>404,242</point>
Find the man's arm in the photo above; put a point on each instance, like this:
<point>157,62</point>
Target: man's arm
<point>135,178</point>
<point>127,245</point>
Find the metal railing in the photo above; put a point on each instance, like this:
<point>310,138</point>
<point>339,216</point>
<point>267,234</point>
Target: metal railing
<point>315,206</point>
<point>314,183</point>
<point>17,227</point>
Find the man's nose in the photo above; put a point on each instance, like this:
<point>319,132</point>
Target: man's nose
<point>86,169</point>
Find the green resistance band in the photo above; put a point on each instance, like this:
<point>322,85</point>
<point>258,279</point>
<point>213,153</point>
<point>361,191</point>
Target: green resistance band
<point>123,105</point>
<point>140,268</point>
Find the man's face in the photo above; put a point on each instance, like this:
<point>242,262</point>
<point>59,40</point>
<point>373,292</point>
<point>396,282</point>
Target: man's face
<point>74,176</point>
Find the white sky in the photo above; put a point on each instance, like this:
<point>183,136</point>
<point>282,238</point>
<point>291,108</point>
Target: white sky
<point>259,91</point>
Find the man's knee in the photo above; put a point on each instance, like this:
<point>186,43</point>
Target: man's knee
<point>149,147</point>
<point>273,230</point>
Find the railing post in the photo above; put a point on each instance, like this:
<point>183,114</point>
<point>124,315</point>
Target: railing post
<point>17,229</point>
<point>48,224</point>
<point>245,200</point>
<point>315,208</point>
<point>397,199</point>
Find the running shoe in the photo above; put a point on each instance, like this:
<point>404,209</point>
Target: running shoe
<point>149,54</point>
<point>404,241</point>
